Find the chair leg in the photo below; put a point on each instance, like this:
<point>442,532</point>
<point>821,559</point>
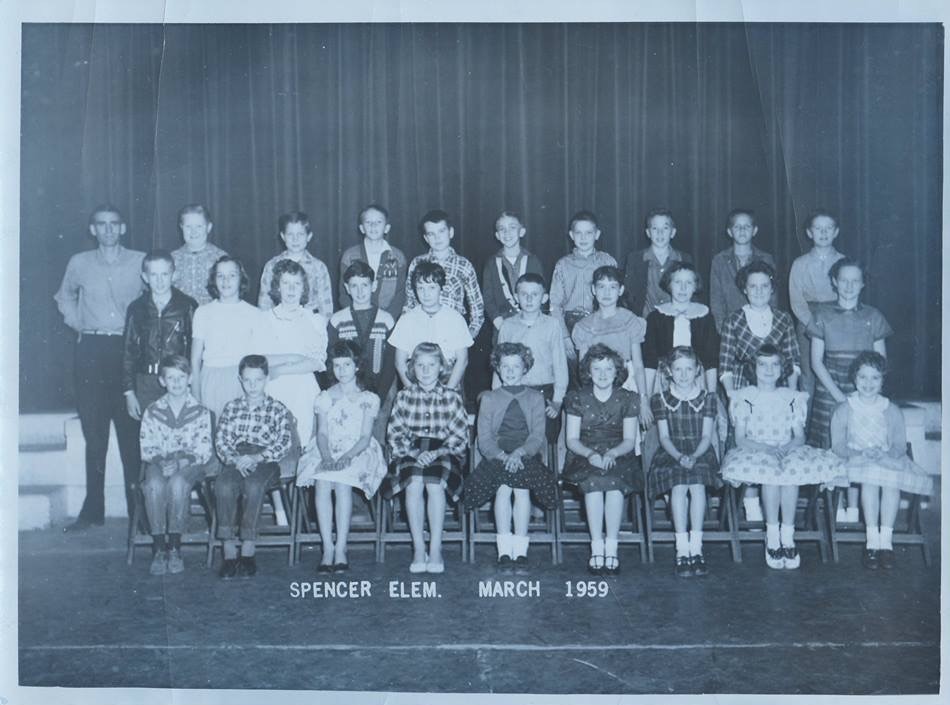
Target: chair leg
<point>649,504</point>
<point>829,497</point>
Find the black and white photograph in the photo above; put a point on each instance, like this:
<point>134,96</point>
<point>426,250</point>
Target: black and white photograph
<point>395,352</point>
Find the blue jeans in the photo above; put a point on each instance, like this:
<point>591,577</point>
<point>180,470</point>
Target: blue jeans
<point>230,486</point>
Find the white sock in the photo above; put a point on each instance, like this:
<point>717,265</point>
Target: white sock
<point>753,511</point>
<point>610,547</point>
<point>519,546</point>
<point>503,541</point>
<point>682,543</point>
<point>696,543</point>
<point>787,532</point>
<point>874,538</point>
<point>887,532</point>
<point>771,536</point>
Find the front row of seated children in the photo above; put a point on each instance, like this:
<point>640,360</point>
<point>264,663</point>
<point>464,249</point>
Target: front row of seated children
<point>428,440</point>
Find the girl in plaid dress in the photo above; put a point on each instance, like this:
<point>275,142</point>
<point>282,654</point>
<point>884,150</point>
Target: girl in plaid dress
<point>427,438</point>
<point>868,432</point>
<point>770,450</point>
<point>685,462</point>
<point>601,458</point>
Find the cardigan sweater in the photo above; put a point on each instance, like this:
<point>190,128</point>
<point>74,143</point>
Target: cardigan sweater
<point>491,412</point>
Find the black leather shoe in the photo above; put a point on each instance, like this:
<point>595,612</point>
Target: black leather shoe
<point>886,558</point>
<point>228,568</point>
<point>611,565</point>
<point>325,568</point>
<point>869,559</point>
<point>246,567</point>
<point>521,565</point>
<point>505,565</point>
<point>698,564</point>
<point>684,567</point>
<point>81,524</point>
<point>341,567</point>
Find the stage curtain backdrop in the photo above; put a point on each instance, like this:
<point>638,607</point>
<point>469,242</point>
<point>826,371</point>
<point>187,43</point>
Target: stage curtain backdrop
<point>543,119</point>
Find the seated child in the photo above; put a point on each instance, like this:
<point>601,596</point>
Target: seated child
<point>194,259</point>
<point>571,295</point>
<point>369,326</point>
<point>460,288</point>
<point>295,231</point>
<point>601,461</point>
<point>868,432</point>
<point>545,337</point>
<point>503,270</point>
<point>343,454</point>
<point>255,432</point>
<point>433,322</point>
<point>175,438</point>
<point>510,437</point>
<point>685,462</point>
<point>428,439</point>
<point>157,323</point>
<point>386,261</point>
<point>769,423</point>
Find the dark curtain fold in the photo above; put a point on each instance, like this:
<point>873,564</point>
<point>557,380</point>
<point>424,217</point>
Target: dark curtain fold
<point>544,119</point>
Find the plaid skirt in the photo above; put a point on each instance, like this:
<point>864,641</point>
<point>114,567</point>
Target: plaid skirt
<point>823,405</point>
<point>626,475</point>
<point>803,465</point>
<point>666,473</point>
<point>481,485</point>
<point>902,473</point>
<point>445,471</point>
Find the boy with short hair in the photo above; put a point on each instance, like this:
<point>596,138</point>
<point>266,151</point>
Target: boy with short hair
<point>194,259</point>
<point>545,337</point>
<point>431,321</point>
<point>571,298</point>
<point>387,262</point>
<point>176,445</point>
<point>724,295</point>
<point>504,269</point>
<point>294,229</point>
<point>255,432</point>
<point>461,283</point>
<point>643,269</point>
<point>369,325</point>
<point>157,323</point>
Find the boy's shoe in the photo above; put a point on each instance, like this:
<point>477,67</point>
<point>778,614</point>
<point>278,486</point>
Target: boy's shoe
<point>159,566</point>
<point>175,562</point>
<point>792,559</point>
<point>886,558</point>
<point>870,558</point>
<point>775,558</point>
<point>521,565</point>
<point>698,564</point>
<point>228,568</point>
<point>684,567</point>
<point>246,566</point>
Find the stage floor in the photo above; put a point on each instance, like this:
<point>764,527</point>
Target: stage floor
<point>87,620</point>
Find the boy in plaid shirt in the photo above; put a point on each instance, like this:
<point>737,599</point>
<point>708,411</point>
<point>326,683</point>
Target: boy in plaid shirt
<point>254,434</point>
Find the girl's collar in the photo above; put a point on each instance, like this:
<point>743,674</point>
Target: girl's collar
<point>674,391</point>
<point>691,310</point>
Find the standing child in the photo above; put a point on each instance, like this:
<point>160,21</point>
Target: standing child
<point>545,337</point>
<point>685,462</point>
<point>427,438</point>
<point>176,444</point>
<point>431,321</point>
<point>343,453</point>
<point>387,262</point>
<point>503,270</point>
<point>223,333</point>
<point>158,323</point>
<point>571,295</point>
<point>770,450</point>
<point>255,432</point>
<point>618,329</point>
<point>511,422</point>
<point>724,296</point>
<point>194,259</point>
<point>868,432</point>
<point>601,435</point>
<point>295,231</point>
<point>460,289</point>
<point>644,269</point>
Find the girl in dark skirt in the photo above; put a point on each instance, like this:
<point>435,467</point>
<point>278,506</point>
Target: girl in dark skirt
<point>601,436</point>
<point>511,423</point>
<point>428,438</point>
<point>839,331</point>
<point>685,462</point>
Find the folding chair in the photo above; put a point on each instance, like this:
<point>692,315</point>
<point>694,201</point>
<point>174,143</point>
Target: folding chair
<point>719,526</point>
<point>809,524</point>
<point>363,525</point>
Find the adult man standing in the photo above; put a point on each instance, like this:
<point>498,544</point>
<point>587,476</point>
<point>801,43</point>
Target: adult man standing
<point>97,288</point>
